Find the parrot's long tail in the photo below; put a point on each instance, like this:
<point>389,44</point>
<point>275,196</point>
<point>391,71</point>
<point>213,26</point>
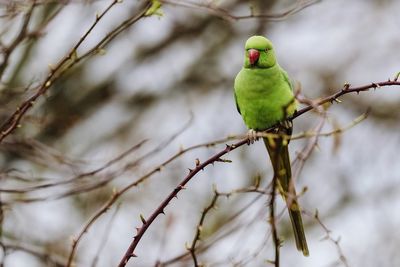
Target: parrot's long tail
<point>279,153</point>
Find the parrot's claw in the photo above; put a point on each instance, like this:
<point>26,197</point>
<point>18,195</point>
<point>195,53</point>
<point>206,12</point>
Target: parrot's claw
<point>287,124</point>
<point>252,136</point>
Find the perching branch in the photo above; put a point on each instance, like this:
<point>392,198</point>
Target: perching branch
<point>218,158</point>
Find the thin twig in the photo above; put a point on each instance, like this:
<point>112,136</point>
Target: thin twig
<point>106,235</point>
<point>227,15</point>
<point>199,228</point>
<point>39,253</point>
<point>328,232</point>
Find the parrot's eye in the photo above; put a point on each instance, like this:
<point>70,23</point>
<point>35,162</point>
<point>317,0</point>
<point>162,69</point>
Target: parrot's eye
<point>266,49</point>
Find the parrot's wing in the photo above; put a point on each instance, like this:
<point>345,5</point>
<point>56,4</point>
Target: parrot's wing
<point>237,106</point>
<point>287,79</point>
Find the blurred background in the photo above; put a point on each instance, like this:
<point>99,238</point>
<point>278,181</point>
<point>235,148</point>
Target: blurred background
<point>164,84</point>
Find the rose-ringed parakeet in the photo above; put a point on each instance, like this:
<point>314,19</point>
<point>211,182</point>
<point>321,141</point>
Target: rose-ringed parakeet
<point>264,97</point>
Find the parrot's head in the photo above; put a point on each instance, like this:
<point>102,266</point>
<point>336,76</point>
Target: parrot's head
<point>259,53</point>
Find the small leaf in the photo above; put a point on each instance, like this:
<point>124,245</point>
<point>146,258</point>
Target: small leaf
<point>396,77</point>
<point>101,51</point>
<point>73,55</point>
<point>155,9</point>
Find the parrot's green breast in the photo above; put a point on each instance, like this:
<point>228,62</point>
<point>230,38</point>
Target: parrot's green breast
<point>264,96</point>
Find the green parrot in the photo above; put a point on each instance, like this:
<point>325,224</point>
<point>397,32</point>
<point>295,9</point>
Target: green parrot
<point>264,97</point>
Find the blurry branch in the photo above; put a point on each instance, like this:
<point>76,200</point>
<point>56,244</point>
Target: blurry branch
<point>210,7</point>
<point>218,158</point>
<point>77,181</point>
<point>106,235</point>
<point>302,156</point>
<point>199,228</point>
<point>38,152</point>
<point>46,257</point>
<point>251,189</point>
<point>317,131</point>
<point>25,34</point>
<point>75,178</point>
<point>21,36</point>
<point>329,237</point>
<point>70,61</point>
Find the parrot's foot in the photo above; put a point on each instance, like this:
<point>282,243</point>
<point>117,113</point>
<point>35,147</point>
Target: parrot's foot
<point>252,136</point>
<point>286,124</point>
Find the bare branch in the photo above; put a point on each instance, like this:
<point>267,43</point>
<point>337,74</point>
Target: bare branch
<point>105,236</point>
<point>8,246</point>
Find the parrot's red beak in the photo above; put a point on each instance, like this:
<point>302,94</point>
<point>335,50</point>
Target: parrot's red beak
<point>253,56</point>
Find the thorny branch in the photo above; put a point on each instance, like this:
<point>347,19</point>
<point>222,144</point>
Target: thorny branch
<point>217,158</point>
<point>160,210</point>
<point>346,90</point>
